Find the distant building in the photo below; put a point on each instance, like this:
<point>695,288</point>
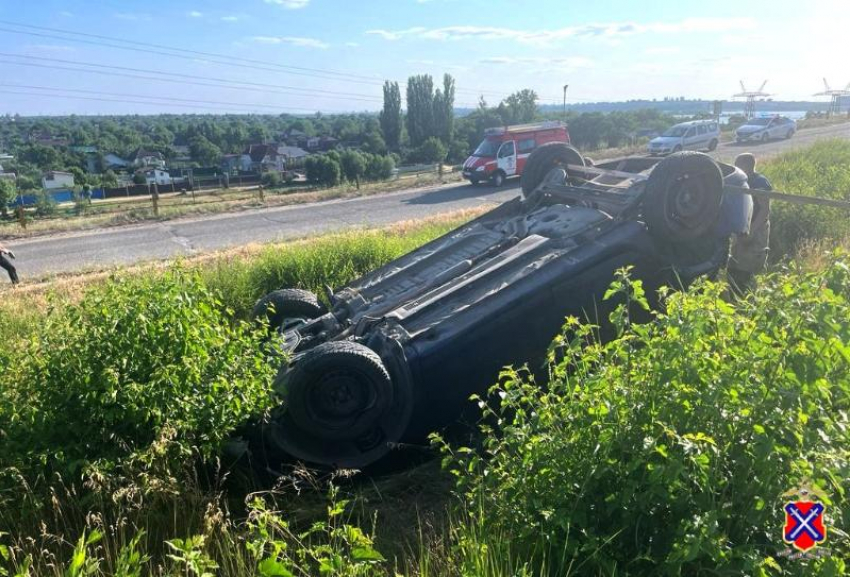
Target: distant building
<point>291,153</point>
<point>263,158</point>
<point>3,173</point>
<point>155,176</point>
<point>46,139</point>
<point>144,158</point>
<point>111,161</point>
<point>56,179</point>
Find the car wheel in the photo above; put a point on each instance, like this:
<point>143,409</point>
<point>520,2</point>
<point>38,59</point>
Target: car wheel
<point>682,197</point>
<point>339,406</point>
<point>678,148</point>
<point>789,134</point>
<point>498,179</point>
<point>712,146</point>
<point>543,160</point>
<point>285,308</point>
<point>764,138</point>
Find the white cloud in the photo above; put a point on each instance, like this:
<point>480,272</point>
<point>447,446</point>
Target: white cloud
<point>352,44</point>
<point>292,40</point>
<point>66,14</point>
<point>290,4</point>
<point>133,17</point>
<point>195,14</point>
<point>605,30</point>
<point>571,61</point>
<point>230,18</point>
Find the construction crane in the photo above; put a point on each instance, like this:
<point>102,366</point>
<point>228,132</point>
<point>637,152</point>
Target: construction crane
<point>836,95</point>
<point>751,95</point>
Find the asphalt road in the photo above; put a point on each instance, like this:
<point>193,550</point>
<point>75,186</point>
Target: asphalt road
<point>126,245</point>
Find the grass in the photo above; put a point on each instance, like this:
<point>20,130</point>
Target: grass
<point>668,405</point>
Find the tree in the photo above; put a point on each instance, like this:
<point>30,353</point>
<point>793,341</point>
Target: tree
<point>323,170</point>
<point>139,178</point>
<point>353,166</point>
<point>432,150</point>
<point>380,167</point>
<point>79,175</point>
<point>391,115</point>
<point>519,107</point>
<point>204,151</point>
<point>444,110</point>
<point>109,179</point>
<point>420,109</point>
<point>7,194</point>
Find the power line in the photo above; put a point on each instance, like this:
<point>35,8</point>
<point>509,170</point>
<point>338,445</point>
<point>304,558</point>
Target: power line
<point>182,79</point>
<point>162,98</point>
<point>175,52</point>
<point>236,83</point>
<point>66,96</point>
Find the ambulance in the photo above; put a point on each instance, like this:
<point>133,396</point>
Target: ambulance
<point>505,149</point>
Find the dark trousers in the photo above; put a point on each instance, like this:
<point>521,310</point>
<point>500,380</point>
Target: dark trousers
<point>10,268</point>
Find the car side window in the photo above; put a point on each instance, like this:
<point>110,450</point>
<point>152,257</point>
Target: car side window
<point>701,129</point>
<point>507,150</point>
<point>690,132</point>
<point>527,145</point>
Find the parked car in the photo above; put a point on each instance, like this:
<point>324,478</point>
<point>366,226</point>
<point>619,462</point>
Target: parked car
<point>504,150</point>
<point>764,129</point>
<point>694,135</point>
<point>401,349</point>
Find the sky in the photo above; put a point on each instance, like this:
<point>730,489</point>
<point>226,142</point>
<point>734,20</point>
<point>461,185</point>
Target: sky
<point>300,56</point>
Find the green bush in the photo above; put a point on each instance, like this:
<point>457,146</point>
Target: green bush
<point>380,167</point>
<point>143,374</point>
<point>820,170</point>
<point>45,204</point>
<point>668,450</point>
<point>271,179</point>
<point>324,169</point>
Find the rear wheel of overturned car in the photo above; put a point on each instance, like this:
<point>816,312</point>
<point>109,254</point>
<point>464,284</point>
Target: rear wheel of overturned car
<point>339,407</point>
<point>285,308</point>
<point>543,160</point>
<point>682,198</point>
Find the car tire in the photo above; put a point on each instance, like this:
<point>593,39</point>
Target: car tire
<point>682,197</point>
<point>764,138</point>
<point>543,160</point>
<point>286,307</point>
<point>498,179</point>
<point>678,148</point>
<point>339,407</point>
<point>789,134</point>
<point>712,146</point>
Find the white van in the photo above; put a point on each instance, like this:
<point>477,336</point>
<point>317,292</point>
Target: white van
<point>694,135</point>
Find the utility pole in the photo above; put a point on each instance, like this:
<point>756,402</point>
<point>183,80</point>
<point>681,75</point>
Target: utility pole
<point>565,101</point>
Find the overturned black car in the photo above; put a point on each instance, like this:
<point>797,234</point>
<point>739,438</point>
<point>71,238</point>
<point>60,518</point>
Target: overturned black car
<point>402,348</point>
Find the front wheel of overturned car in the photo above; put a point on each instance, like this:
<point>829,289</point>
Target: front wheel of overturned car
<point>682,197</point>
<point>543,160</point>
<point>284,308</point>
<point>340,407</point>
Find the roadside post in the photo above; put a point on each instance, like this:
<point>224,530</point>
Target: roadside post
<point>261,192</point>
<point>22,216</point>
<point>155,199</point>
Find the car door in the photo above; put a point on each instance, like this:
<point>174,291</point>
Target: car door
<point>775,128</point>
<point>702,137</point>
<point>690,140</point>
<point>507,158</point>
